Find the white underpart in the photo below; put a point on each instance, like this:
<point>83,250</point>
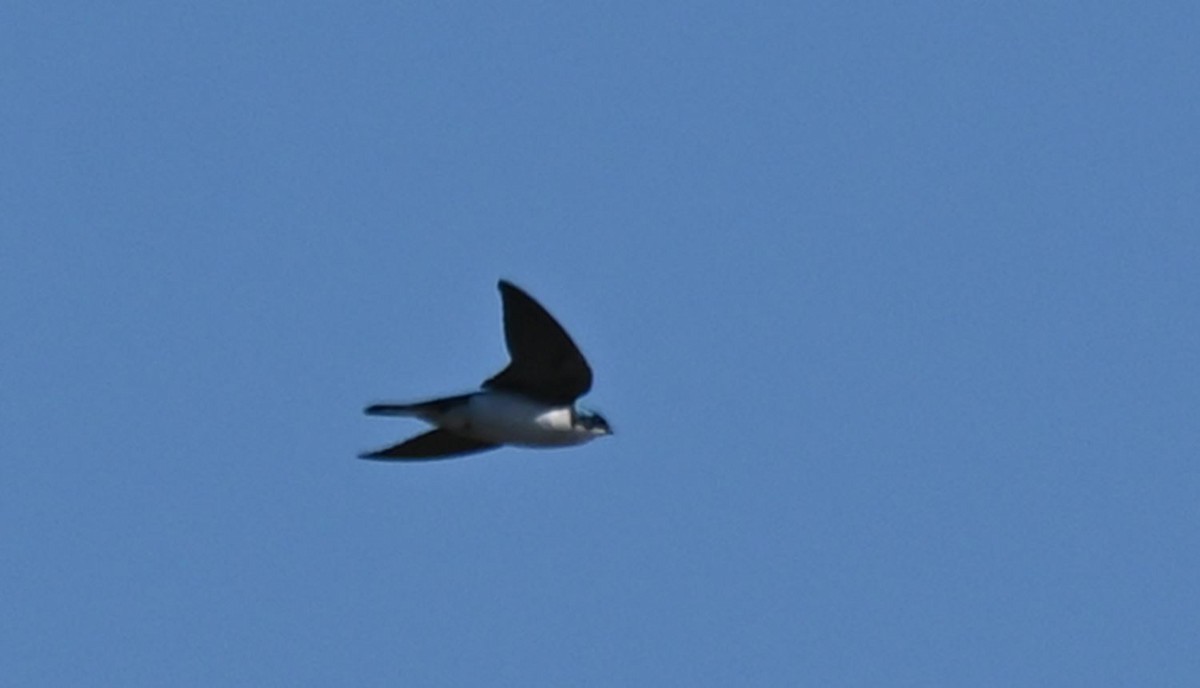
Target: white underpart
<point>512,419</point>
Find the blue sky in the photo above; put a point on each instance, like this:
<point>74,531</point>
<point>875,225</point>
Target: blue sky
<point>895,309</point>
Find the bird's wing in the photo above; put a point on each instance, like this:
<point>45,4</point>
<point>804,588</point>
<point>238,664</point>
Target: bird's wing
<point>435,444</point>
<point>546,364</point>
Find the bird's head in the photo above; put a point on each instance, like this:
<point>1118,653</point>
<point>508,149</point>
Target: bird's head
<point>593,422</point>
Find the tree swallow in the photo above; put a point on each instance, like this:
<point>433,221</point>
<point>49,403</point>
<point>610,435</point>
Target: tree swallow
<point>531,403</point>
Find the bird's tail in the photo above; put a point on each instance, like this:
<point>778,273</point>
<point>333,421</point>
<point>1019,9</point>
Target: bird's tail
<point>392,409</point>
<point>423,408</point>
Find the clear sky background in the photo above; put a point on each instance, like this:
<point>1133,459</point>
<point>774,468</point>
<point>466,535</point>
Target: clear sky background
<point>894,307</point>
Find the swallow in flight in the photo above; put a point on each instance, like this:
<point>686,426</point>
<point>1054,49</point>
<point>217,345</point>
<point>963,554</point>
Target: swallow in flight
<point>531,403</point>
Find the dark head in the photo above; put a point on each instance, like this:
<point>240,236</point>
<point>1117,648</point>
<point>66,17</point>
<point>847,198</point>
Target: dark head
<point>592,422</point>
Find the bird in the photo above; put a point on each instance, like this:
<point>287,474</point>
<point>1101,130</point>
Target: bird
<point>530,403</point>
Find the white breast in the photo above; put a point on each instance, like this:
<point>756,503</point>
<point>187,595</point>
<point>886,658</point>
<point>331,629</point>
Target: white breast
<point>513,419</point>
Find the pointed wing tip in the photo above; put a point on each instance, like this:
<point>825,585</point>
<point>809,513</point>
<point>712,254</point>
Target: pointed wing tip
<point>435,444</point>
<point>545,362</point>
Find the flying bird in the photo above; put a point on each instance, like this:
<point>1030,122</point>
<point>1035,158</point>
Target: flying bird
<point>531,403</point>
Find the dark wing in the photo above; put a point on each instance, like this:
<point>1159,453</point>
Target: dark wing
<point>545,364</point>
<point>435,444</point>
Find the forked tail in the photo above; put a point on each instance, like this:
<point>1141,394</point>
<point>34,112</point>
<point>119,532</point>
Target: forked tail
<point>424,408</point>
